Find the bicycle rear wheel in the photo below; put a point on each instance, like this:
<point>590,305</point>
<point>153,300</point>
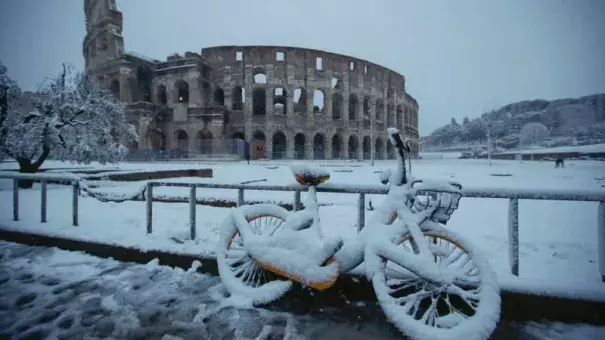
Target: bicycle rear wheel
<point>467,309</point>
<point>239,273</point>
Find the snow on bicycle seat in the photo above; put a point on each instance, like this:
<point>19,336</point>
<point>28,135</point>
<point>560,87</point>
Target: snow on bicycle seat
<point>309,175</point>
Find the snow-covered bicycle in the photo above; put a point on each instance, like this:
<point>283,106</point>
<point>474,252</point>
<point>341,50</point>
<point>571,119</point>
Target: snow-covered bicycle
<point>430,282</point>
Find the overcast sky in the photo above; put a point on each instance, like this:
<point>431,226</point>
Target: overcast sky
<point>460,58</point>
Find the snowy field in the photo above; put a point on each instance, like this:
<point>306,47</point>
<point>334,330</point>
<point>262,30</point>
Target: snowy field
<point>46,293</point>
<point>558,243</point>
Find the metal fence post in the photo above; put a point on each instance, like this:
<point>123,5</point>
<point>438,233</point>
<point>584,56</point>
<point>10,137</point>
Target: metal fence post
<point>296,201</point>
<point>240,197</point>
<point>192,202</point>
<point>43,202</point>
<point>149,206</point>
<point>513,235</point>
<point>74,202</point>
<point>361,212</point>
<point>15,199</point>
<point>601,239</point>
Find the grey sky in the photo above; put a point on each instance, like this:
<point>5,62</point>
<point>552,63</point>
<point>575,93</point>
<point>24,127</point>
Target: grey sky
<point>460,58</point>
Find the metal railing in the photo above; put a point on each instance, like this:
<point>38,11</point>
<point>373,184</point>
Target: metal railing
<point>513,195</point>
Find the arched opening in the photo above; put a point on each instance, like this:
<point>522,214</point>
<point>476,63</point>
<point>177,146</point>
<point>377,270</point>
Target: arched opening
<point>318,146</point>
<point>366,108</point>
<point>239,97</point>
<point>336,83</point>
<point>353,107</point>
<point>378,149</point>
<point>279,101</point>
<point>259,75</point>
<point>299,146</point>
<point>205,140</point>
<point>279,145</point>
<point>390,93</point>
<point>336,106</point>
<point>353,147</point>
<point>336,146</point>
<point>182,91</point>
<point>390,151</point>
<point>257,146</point>
<point>318,101</point>
<point>144,80</point>
<point>379,110</point>
<point>399,123</point>
<point>114,87</point>
<point>161,96</point>
<point>300,100</point>
<point>259,101</point>
<point>157,139</point>
<point>391,116</point>
<point>367,147</point>
<point>182,142</point>
<point>219,96</point>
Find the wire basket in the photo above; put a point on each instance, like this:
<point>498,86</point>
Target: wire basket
<point>441,203</point>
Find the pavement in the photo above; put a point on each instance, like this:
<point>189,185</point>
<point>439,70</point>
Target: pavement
<point>47,293</point>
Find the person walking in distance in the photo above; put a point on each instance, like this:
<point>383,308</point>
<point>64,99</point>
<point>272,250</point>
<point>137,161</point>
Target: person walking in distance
<point>247,151</point>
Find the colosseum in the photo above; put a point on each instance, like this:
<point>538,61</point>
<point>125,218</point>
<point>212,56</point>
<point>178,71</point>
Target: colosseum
<point>287,102</point>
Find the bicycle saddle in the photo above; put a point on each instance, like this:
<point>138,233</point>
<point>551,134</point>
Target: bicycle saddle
<point>309,176</point>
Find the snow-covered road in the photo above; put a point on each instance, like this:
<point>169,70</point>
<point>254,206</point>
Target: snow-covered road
<point>55,294</point>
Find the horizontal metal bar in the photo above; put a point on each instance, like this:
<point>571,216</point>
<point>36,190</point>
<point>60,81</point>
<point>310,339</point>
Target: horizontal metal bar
<point>504,193</point>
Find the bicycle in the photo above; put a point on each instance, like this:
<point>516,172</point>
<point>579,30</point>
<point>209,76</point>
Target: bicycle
<point>430,282</point>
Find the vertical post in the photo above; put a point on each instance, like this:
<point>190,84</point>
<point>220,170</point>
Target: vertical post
<point>240,197</point>
<point>296,200</point>
<point>149,206</point>
<point>15,199</point>
<point>361,212</point>
<point>513,235</point>
<point>601,239</point>
<point>192,203</point>
<point>43,202</point>
<point>74,201</point>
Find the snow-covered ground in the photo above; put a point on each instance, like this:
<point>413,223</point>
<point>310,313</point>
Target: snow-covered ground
<point>558,243</point>
<point>595,148</point>
<point>54,294</point>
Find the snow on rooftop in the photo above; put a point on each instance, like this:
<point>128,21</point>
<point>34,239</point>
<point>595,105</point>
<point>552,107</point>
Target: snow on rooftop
<point>141,56</point>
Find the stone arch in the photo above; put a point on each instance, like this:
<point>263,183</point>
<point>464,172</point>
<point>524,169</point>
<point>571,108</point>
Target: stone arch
<point>336,146</point>
<point>205,141</point>
<point>319,101</point>
<point>336,106</point>
<point>336,83</point>
<point>299,146</point>
<point>219,96</point>
<point>379,110</point>
<point>390,93</point>
<point>353,101</point>
<point>114,87</point>
<point>259,101</point>
<point>279,145</point>
<point>353,147</point>
<point>378,148</point>
<point>279,100</point>
<point>157,139</point>
<point>399,116</point>
<point>182,143</point>
<point>300,100</point>
<point>181,89</point>
<point>259,75</point>
<point>366,107</point>
<point>367,147</point>
<point>239,98</point>
<point>390,150</point>
<point>161,95</point>
<point>257,145</point>
<point>319,142</point>
<point>391,116</point>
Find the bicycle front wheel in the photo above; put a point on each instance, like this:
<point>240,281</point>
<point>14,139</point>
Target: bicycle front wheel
<point>239,273</point>
<point>467,309</point>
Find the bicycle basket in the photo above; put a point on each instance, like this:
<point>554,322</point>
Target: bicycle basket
<point>442,203</point>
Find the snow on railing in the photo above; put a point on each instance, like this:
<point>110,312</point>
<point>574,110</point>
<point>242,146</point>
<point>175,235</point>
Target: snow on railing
<point>513,195</point>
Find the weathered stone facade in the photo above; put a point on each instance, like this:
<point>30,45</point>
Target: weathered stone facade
<point>286,101</point>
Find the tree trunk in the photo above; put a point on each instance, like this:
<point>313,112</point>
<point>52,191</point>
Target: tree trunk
<point>27,168</point>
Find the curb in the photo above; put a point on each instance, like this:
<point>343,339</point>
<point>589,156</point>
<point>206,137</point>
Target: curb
<point>515,306</point>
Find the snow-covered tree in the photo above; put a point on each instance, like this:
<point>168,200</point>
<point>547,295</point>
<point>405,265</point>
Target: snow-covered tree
<point>72,119</point>
<point>533,132</point>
